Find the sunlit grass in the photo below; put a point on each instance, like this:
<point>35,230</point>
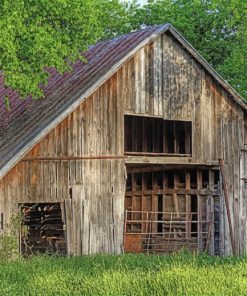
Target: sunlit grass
<point>180,274</point>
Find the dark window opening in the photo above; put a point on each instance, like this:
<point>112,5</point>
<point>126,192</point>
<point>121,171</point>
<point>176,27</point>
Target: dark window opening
<point>193,179</point>
<point>179,133</point>
<point>170,179</point>
<point>44,231</point>
<point>155,135</point>
<point>158,180</point>
<point>129,183</point>
<point>169,136</point>
<point>148,132</point>
<point>216,177</point>
<point>180,178</point>
<point>138,181</point>
<point>147,177</point>
<point>205,179</point>
<point>194,216</point>
<point>137,127</point>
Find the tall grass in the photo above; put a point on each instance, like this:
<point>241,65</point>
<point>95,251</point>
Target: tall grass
<point>180,274</point>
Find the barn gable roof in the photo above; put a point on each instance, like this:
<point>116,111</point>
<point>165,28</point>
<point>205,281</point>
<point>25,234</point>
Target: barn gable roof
<point>29,120</point>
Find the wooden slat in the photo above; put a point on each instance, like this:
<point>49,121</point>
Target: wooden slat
<point>68,221</point>
<point>226,196</point>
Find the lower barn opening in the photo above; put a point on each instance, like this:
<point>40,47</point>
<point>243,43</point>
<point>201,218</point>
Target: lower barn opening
<point>42,229</point>
<point>170,209</point>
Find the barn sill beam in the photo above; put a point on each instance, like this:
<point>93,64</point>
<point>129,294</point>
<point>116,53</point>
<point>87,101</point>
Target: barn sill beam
<point>150,154</point>
<point>165,160</point>
<point>180,191</point>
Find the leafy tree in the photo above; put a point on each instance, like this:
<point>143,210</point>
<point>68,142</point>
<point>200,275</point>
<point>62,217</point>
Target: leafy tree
<point>36,35</point>
<point>117,17</point>
<point>39,34</point>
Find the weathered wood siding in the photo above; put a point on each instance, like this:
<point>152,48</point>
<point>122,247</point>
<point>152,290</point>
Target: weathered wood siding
<point>92,129</point>
<point>161,80</point>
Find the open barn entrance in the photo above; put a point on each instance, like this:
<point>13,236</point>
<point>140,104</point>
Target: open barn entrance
<point>167,209</point>
<point>42,229</point>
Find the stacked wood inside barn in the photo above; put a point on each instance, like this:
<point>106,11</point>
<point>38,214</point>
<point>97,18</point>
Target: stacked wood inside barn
<point>43,229</point>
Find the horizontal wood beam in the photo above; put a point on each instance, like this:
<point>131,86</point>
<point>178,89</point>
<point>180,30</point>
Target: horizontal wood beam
<point>151,154</point>
<point>73,158</point>
<point>170,191</point>
<point>143,160</point>
<point>166,160</point>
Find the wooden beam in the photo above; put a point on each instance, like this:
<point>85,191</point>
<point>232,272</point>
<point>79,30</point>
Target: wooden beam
<point>155,154</point>
<point>165,160</point>
<point>210,214</point>
<point>73,157</point>
<point>142,168</point>
<point>170,192</point>
<point>188,205</point>
<point>226,196</point>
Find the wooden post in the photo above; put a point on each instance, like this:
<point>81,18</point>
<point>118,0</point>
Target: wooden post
<point>68,219</point>
<point>210,212</point>
<point>188,206</point>
<point>199,211</point>
<point>226,197</point>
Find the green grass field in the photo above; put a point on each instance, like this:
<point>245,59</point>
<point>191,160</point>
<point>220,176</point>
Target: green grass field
<point>181,274</point>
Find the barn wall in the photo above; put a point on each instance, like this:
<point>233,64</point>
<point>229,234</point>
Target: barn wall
<point>243,188</point>
<point>97,186</point>
<point>245,128</point>
<point>161,80</point>
<point>169,83</point>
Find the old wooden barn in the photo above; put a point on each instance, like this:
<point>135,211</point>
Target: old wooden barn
<point>124,154</point>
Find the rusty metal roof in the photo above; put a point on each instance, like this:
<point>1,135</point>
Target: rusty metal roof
<point>29,120</point>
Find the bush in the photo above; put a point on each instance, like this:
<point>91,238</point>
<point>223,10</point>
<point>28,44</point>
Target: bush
<point>9,244</point>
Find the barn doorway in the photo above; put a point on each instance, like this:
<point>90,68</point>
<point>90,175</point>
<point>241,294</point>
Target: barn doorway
<point>167,209</point>
<point>42,230</point>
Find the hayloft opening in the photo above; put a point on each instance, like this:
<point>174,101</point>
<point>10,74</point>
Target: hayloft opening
<point>149,135</point>
<point>42,229</point>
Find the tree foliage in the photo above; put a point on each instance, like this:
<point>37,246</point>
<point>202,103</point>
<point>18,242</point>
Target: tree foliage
<point>39,34</point>
<point>36,35</point>
<point>117,18</point>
